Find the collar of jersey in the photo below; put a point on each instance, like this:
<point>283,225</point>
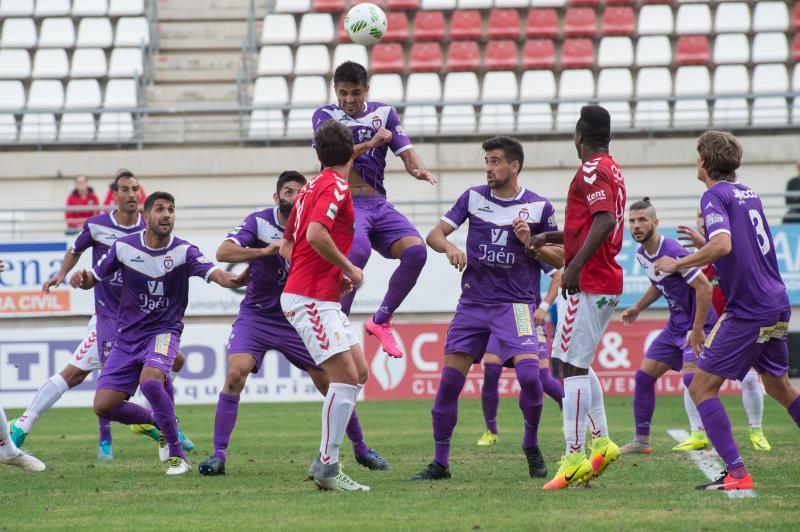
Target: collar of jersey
<point>115,222</point>
<point>169,244</point>
<point>515,198</point>
<point>654,255</point>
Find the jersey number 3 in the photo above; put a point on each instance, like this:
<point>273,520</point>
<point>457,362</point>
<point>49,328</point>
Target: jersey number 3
<point>761,231</point>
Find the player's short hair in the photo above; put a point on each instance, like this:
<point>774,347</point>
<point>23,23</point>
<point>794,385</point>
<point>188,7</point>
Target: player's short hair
<point>289,176</point>
<point>594,125</point>
<point>643,204</point>
<point>122,173</point>
<point>350,72</point>
<point>334,143</point>
<point>721,154</point>
<point>512,148</point>
<point>152,198</point>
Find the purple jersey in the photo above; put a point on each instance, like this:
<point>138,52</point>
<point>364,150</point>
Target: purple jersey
<point>749,274</point>
<point>99,233</point>
<point>376,115</point>
<point>155,285</point>
<point>675,287</point>
<point>497,268</point>
<point>267,274</point>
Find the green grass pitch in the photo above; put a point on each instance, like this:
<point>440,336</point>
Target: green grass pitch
<point>490,489</point>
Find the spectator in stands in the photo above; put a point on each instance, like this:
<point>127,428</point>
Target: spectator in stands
<point>110,201</point>
<point>81,195</point>
<point>793,215</point>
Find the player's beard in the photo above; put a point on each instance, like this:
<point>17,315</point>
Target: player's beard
<point>285,208</point>
<point>648,235</point>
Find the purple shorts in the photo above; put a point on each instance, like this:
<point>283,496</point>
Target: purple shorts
<point>106,332</point>
<point>670,348</point>
<point>735,345</point>
<point>510,324</point>
<point>378,221</point>
<point>495,347</point>
<point>255,334</point>
<point>124,365</point>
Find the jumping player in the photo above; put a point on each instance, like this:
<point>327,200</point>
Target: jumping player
<point>752,330</point>
<point>379,226</point>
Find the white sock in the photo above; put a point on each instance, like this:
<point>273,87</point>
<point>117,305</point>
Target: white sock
<point>336,411</point>
<point>597,414</point>
<point>577,403</point>
<point>695,423</point>
<point>48,394</point>
<point>7,447</point>
<point>753,399</point>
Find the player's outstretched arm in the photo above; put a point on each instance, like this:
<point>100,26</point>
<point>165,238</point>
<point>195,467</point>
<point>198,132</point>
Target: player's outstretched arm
<point>83,279</point>
<point>601,227</point>
<point>230,251</point>
<point>415,168</point>
<point>629,315</point>
<point>437,240</point>
<point>703,292</point>
<point>228,279</point>
<point>690,237</point>
<point>552,254</point>
<point>716,248</point>
<point>552,292</point>
<point>67,263</point>
<point>320,239</point>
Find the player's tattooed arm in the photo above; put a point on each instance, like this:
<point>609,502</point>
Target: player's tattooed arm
<point>320,239</point>
<point>415,167</point>
<point>83,279</point>
<point>229,279</point>
<point>703,292</point>
<point>716,248</point>
<point>437,240</point>
<point>629,315</point>
<point>233,253</point>
<point>67,263</point>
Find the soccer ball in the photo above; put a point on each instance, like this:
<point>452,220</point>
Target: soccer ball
<point>365,24</point>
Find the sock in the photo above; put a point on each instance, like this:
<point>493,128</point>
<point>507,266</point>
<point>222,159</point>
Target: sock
<point>695,423</point>
<point>401,282</point>
<point>359,255</point>
<point>336,412</point>
<point>46,396</point>
<point>753,399</point>
<point>794,410</point>
<point>718,428</point>
<point>164,412</point>
<point>531,397</point>
<point>552,386</point>
<point>490,397</point>
<point>7,447</point>
<point>644,404</point>
<point>105,429</point>
<point>132,414</point>
<point>224,421</point>
<point>170,389</point>
<point>577,402</point>
<point>140,399</point>
<point>597,413</point>
<point>445,413</point>
<point>356,436</point>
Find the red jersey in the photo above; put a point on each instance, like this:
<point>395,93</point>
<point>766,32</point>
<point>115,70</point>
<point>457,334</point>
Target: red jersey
<point>718,299</point>
<point>325,199</point>
<point>598,186</point>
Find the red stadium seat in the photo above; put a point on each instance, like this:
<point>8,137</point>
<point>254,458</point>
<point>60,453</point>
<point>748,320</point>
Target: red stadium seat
<point>380,3</point>
<point>618,21</point>
<point>580,22</point>
<point>466,25</point>
<point>501,55</point>
<point>402,5</point>
<point>796,49</point>
<point>504,24</point>
<point>577,53</point>
<point>425,57</point>
<point>429,26</point>
<point>335,6</point>
<point>620,2</point>
<point>463,55</point>
<point>539,53</point>
<point>541,23</point>
<point>387,58</point>
<point>796,17</point>
<point>657,1</point>
<point>692,50</point>
<point>397,30</point>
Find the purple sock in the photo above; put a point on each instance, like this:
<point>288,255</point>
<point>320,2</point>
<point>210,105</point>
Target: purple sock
<point>531,397</point>
<point>644,402</point>
<point>356,436</point>
<point>359,255</point>
<point>169,388</point>
<point>105,429</point>
<point>794,410</point>
<point>445,412</point>
<point>552,387</point>
<point>489,396</point>
<point>224,421</point>
<point>401,282</point>
<point>132,414</point>
<point>718,429</point>
<point>164,412</point>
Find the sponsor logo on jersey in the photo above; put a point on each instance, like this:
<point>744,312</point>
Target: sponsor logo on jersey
<point>486,208</point>
<point>138,259</point>
<point>499,237</point>
<point>156,288</point>
<point>522,316</point>
<point>332,211</point>
<point>162,343</point>
<point>594,197</point>
<point>713,218</point>
<point>744,194</point>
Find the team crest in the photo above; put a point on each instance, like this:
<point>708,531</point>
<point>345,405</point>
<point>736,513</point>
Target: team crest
<point>376,122</point>
<point>168,262</point>
<point>524,214</point>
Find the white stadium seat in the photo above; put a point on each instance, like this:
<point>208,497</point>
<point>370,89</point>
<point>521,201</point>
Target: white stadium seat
<point>12,94</point>
<point>538,85</point>
<point>770,111</point>
<point>654,50</point>
<point>16,8</point>
<point>316,28</point>
<point>615,51</point>
<point>8,127</point>
<point>121,93</point>
<point>770,16</point>
<point>18,33</point>
<point>386,88</point>
<point>693,113</point>
<point>620,114</point>
<point>457,118</point>
<point>567,115</point>
<point>115,127</point>
<point>121,8</point>
<point>350,52</point>
<point>654,20</point>
<point>46,94</point>
<point>770,78</point>
<point>89,8</point>
<point>132,31</point>
<point>309,90</point>
<point>693,19</point>
<point>731,79</point>
<point>292,6</point>
<point>652,82</point>
<point>88,63</point>
<point>57,33</point>
<point>438,4</point>
<point>499,86</point>
<point>796,79</point>
<point>729,112</point>
<point>575,84</point>
<point>511,3</point>
<point>50,63</point>
<point>731,48</point>
<point>51,8</point>
<point>275,60</point>
<point>266,123</point>
<point>312,59</point>
<point>690,114</point>
<point>14,64</point>
<point>38,127</point>
<point>477,4</point>
<point>497,118</point>
<point>770,48</point>
<point>423,87</point>
<point>279,29</point>
<point>271,90</point>
<point>732,18</point>
<point>460,87</point>
<point>298,126</point>
<point>796,111</point>
<point>83,94</point>
<point>534,117</point>
<point>692,80</point>
<point>126,63</point>
<point>614,83</point>
<point>77,126</point>
<point>95,32</point>
<point>421,120</point>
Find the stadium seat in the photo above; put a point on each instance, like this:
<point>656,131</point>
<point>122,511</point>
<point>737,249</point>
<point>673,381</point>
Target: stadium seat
<point>18,33</point>
<point>732,18</point>
<point>312,59</point>
<point>618,21</point>
<point>121,93</point>
<point>342,35</point>
<point>279,29</point>
<point>512,3</point>
<point>770,48</point>
<point>457,119</point>
<point>89,8</point>
<point>429,26</point>
<point>16,8</point>
<point>575,84</point>
<point>132,31</point>
<point>693,19</point>
<point>57,33</point>
<point>499,86</point>
<point>266,123</point>
<point>692,80</point>
<point>539,53</point>
<point>548,3</point>
<point>577,53</point>
<point>292,6</point>
<point>126,63</point>
<point>45,94</point>
<point>50,63</point>
<point>692,50</point>
<point>397,27</point>
<point>380,3</point>
<point>501,55</point>
<point>8,127</point>
<point>387,57</point>
<point>438,4</point>
<point>770,111</point>
<point>653,51</point>
<point>316,28</point>
<point>654,20</point>
<point>76,126</point>
<point>620,2</point>
<point>615,51</point>
<point>731,79</point>
<point>350,52</point>
<point>386,87</point>
<point>461,87</point>
<point>14,64</point>
<point>537,85</point>
<point>83,93</point>
<point>770,16</point>
<point>275,60</point>
<point>51,8</point>
<point>463,55</point>
<point>580,22</point>
<point>796,47</point>
<point>333,6</point>
<point>37,127</point>
<point>691,114</point>
<point>651,114</point>
<point>125,8</point>
<point>271,90</point>
<point>620,114</point>
<point>796,78</point>
<point>653,82</point>
<point>88,63</point>
<point>770,79</point>
<point>731,48</point>
<point>95,32</point>
<point>729,112</point>
<point>466,25</point>
<point>541,23</point>
<point>504,24</point>
<point>567,114</point>
<point>474,4</point>
<point>534,117</point>
<point>425,57</point>
<point>115,127</point>
<point>421,120</point>
<point>423,87</point>
<point>12,94</point>
<point>614,83</point>
<point>496,118</point>
<point>402,5</point>
<point>309,90</point>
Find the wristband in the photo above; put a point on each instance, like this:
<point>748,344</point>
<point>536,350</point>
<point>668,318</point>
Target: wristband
<point>544,305</point>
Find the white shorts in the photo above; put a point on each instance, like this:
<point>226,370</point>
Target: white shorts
<point>582,320</point>
<point>324,328</point>
<point>86,357</point>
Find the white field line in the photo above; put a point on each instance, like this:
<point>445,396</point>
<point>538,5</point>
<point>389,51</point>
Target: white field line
<point>707,463</point>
